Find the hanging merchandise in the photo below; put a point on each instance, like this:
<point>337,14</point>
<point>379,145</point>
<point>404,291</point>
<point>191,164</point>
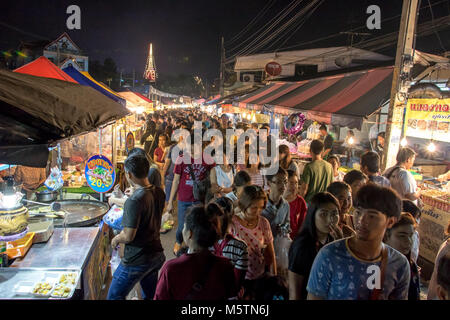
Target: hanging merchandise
<point>55,180</point>
<point>294,123</point>
<point>100,173</point>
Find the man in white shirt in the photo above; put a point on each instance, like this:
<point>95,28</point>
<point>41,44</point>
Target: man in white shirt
<point>401,179</point>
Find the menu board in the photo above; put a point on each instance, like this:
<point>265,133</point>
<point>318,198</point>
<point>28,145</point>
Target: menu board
<point>428,119</point>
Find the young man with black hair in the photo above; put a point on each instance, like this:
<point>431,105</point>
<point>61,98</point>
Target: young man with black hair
<point>277,208</point>
<point>362,267</point>
<point>143,252</point>
<point>370,166</point>
<point>327,142</point>
<point>317,175</point>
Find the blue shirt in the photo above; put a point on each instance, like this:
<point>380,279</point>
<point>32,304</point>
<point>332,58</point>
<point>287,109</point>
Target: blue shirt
<point>337,274</point>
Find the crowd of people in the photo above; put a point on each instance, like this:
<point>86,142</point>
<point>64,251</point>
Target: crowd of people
<point>246,235</point>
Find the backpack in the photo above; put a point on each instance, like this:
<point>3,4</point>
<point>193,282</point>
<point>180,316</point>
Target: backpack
<point>201,188</point>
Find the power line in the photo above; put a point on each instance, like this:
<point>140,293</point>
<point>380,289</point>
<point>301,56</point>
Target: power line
<point>301,25</point>
<point>270,25</point>
<point>255,19</point>
<point>351,30</point>
<point>432,21</point>
<point>259,42</point>
<point>22,31</point>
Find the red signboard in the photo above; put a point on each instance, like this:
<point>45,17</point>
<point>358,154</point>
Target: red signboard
<point>273,69</point>
<point>150,75</point>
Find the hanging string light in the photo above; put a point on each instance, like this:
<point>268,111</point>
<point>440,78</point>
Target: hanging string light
<point>431,147</point>
<point>404,142</point>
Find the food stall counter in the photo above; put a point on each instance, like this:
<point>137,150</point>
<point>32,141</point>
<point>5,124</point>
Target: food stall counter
<point>83,251</point>
<point>67,248</point>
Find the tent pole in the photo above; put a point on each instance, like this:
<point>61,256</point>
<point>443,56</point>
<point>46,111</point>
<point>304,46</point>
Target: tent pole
<point>100,152</point>
<point>59,163</point>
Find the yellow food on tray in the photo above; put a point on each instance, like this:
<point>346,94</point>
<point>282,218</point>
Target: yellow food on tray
<point>68,278</point>
<point>61,290</point>
<point>42,288</point>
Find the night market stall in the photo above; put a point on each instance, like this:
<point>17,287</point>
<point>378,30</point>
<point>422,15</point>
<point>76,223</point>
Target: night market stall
<point>44,260</point>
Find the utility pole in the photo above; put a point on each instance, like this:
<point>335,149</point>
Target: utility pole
<point>222,67</point>
<point>206,89</point>
<point>134,77</point>
<point>403,64</point>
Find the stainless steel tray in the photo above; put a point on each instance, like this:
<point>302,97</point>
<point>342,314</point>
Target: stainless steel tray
<point>80,213</point>
<point>11,278</point>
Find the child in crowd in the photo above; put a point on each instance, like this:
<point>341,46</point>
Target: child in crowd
<point>320,227</point>
<point>342,192</point>
<point>400,237</point>
<point>336,164</point>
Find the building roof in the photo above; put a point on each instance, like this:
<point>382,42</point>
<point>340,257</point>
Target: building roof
<point>309,56</point>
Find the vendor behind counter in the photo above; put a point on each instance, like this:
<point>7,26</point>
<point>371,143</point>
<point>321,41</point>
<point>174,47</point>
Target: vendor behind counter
<point>30,178</point>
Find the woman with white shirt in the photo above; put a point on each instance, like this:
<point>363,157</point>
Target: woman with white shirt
<point>222,178</point>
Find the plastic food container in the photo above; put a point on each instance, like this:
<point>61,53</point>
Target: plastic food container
<point>66,285</point>
<point>24,288</point>
<point>49,280</point>
<point>18,248</point>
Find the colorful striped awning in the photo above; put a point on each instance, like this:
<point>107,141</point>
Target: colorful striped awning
<point>86,80</point>
<point>344,99</point>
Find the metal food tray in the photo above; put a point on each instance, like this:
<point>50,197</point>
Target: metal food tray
<point>80,213</point>
<point>12,279</point>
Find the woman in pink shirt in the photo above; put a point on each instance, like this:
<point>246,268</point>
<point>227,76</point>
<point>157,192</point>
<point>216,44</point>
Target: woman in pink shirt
<point>249,226</point>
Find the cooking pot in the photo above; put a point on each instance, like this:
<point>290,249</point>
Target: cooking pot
<point>46,196</point>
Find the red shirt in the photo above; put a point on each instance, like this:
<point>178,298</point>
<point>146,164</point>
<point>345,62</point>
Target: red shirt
<point>159,152</point>
<point>177,277</point>
<point>297,215</point>
<point>186,189</point>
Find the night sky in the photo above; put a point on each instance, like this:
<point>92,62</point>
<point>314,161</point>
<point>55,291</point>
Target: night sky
<point>186,34</point>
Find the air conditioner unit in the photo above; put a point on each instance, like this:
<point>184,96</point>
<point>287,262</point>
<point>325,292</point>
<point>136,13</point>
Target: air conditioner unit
<point>248,78</point>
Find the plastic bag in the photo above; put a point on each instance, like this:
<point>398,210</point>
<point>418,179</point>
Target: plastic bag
<point>113,217</point>
<point>281,245</point>
<point>54,181</point>
<point>117,193</point>
<point>115,261</point>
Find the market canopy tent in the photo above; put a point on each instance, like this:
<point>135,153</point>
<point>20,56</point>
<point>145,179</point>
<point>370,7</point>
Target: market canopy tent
<point>85,79</point>
<point>342,100</point>
<point>42,67</point>
<point>36,111</point>
<point>137,101</point>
